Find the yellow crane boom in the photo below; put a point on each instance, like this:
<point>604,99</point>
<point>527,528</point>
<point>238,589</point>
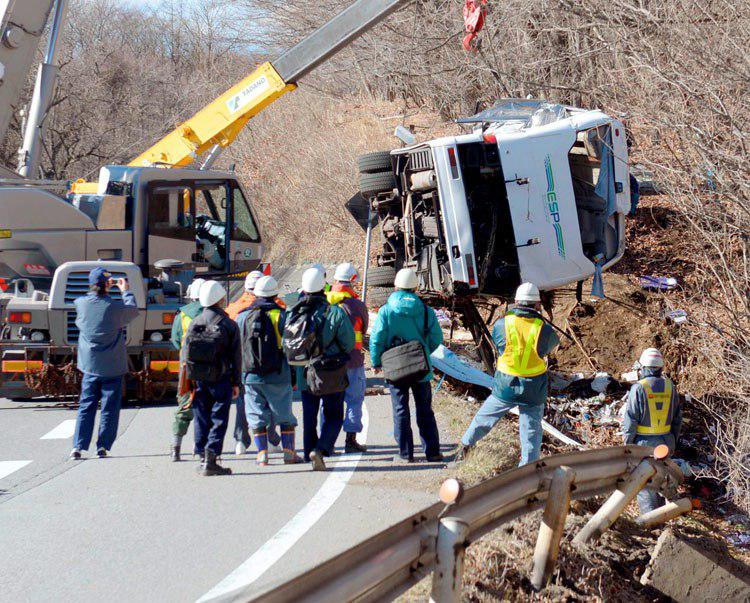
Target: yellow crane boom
<point>218,123</point>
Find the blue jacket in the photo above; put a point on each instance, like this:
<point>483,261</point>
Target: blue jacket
<point>402,318</point>
<point>637,410</point>
<point>523,390</point>
<point>285,375</point>
<point>101,343</point>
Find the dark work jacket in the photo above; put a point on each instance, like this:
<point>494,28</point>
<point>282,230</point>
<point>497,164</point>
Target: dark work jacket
<point>230,341</point>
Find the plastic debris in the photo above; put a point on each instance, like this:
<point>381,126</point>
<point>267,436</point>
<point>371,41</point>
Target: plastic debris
<point>600,382</point>
<point>630,376</point>
<point>739,540</point>
<point>676,316</point>
<point>658,283</point>
<point>444,319</point>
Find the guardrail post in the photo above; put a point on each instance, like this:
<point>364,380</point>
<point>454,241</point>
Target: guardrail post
<point>551,528</point>
<point>447,578</point>
<point>665,513</point>
<point>616,503</point>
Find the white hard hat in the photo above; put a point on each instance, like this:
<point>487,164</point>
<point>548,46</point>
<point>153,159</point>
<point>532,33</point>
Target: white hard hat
<point>651,358</point>
<point>528,293</point>
<point>406,278</point>
<point>313,280</point>
<point>194,288</point>
<point>345,273</point>
<point>266,287</point>
<point>211,293</point>
<point>251,279</point>
<point>320,267</point>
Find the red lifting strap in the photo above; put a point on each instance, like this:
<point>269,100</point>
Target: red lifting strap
<point>474,13</point>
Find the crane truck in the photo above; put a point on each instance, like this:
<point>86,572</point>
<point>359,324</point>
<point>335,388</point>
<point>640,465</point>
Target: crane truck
<point>159,220</point>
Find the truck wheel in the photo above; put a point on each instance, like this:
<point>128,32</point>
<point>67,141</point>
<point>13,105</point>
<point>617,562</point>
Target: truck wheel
<point>372,163</point>
<point>381,276</point>
<point>372,184</point>
<point>377,296</point>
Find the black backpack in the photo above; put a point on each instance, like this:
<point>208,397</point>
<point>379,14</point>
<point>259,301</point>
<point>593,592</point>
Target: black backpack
<point>204,350</point>
<point>260,348</point>
<point>302,339</point>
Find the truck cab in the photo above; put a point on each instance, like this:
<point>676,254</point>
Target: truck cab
<point>536,192</point>
<point>140,215</point>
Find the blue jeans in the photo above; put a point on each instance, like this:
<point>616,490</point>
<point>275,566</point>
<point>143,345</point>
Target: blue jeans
<point>428,430</point>
<point>268,405</point>
<point>211,405</point>
<point>241,433</point>
<point>529,426</point>
<point>93,389</point>
<point>354,396</point>
<point>333,419</point>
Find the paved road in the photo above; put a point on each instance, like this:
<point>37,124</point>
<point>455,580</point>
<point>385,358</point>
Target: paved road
<point>136,527</point>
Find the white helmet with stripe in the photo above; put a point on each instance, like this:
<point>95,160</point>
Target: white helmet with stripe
<point>651,358</point>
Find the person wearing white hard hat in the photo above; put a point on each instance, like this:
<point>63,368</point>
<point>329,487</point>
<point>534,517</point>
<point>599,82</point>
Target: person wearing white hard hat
<point>316,331</point>
<point>523,340</point>
<point>241,429</point>
<point>405,318</point>
<point>213,364</point>
<point>343,295</point>
<point>247,298</point>
<point>266,375</point>
<point>653,415</point>
<point>184,413</point>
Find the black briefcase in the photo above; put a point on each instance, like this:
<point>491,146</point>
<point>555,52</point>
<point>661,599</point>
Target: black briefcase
<point>406,364</point>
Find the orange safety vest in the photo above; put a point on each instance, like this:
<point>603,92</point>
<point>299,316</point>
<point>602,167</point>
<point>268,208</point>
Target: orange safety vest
<point>337,295</point>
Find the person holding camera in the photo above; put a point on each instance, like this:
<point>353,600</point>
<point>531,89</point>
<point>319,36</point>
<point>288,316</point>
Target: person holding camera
<point>102,358</point>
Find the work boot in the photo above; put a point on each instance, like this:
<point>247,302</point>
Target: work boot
<point>352,445</point>
<point>462,453</point>
<point>261,443</point>
<point>212,467</point>
<point>287,443</point>
<point>175,453</point>
<point>401,460</point>
<point>316,460</point>
<point>101,453</point>
<point>435,458</point>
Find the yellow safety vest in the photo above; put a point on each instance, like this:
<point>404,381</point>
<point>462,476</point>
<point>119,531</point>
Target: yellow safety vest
<point>658,409</point>
<point>275,315</point>
<point>185,321</point>
<point>520,357</point>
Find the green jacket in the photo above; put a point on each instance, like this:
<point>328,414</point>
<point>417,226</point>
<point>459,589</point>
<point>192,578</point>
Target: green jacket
<point>401,319</point>
<point>190,310</point>
<point>337,337</point>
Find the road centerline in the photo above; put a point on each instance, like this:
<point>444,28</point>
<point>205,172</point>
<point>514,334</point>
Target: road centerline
<point>281,542</point>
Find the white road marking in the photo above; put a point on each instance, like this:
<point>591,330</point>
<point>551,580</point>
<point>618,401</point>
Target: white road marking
<point>289,535</point>
<point>8,467</point>
<point>64,431</point>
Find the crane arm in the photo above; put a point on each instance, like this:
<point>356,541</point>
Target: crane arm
<point>221,121</point>
<point>22,25</point>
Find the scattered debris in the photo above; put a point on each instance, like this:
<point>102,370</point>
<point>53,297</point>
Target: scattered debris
<point>630,376</point>
<point>676,316</point>
<point>658,283</point>
<point>600,382</point>
<point>444,318</point>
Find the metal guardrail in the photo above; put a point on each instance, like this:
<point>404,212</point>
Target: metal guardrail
<point>433,540</point>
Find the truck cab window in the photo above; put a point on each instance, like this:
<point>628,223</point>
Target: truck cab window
<point>244,223</point>
<point>170,213</point>
<point>211,222</point>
